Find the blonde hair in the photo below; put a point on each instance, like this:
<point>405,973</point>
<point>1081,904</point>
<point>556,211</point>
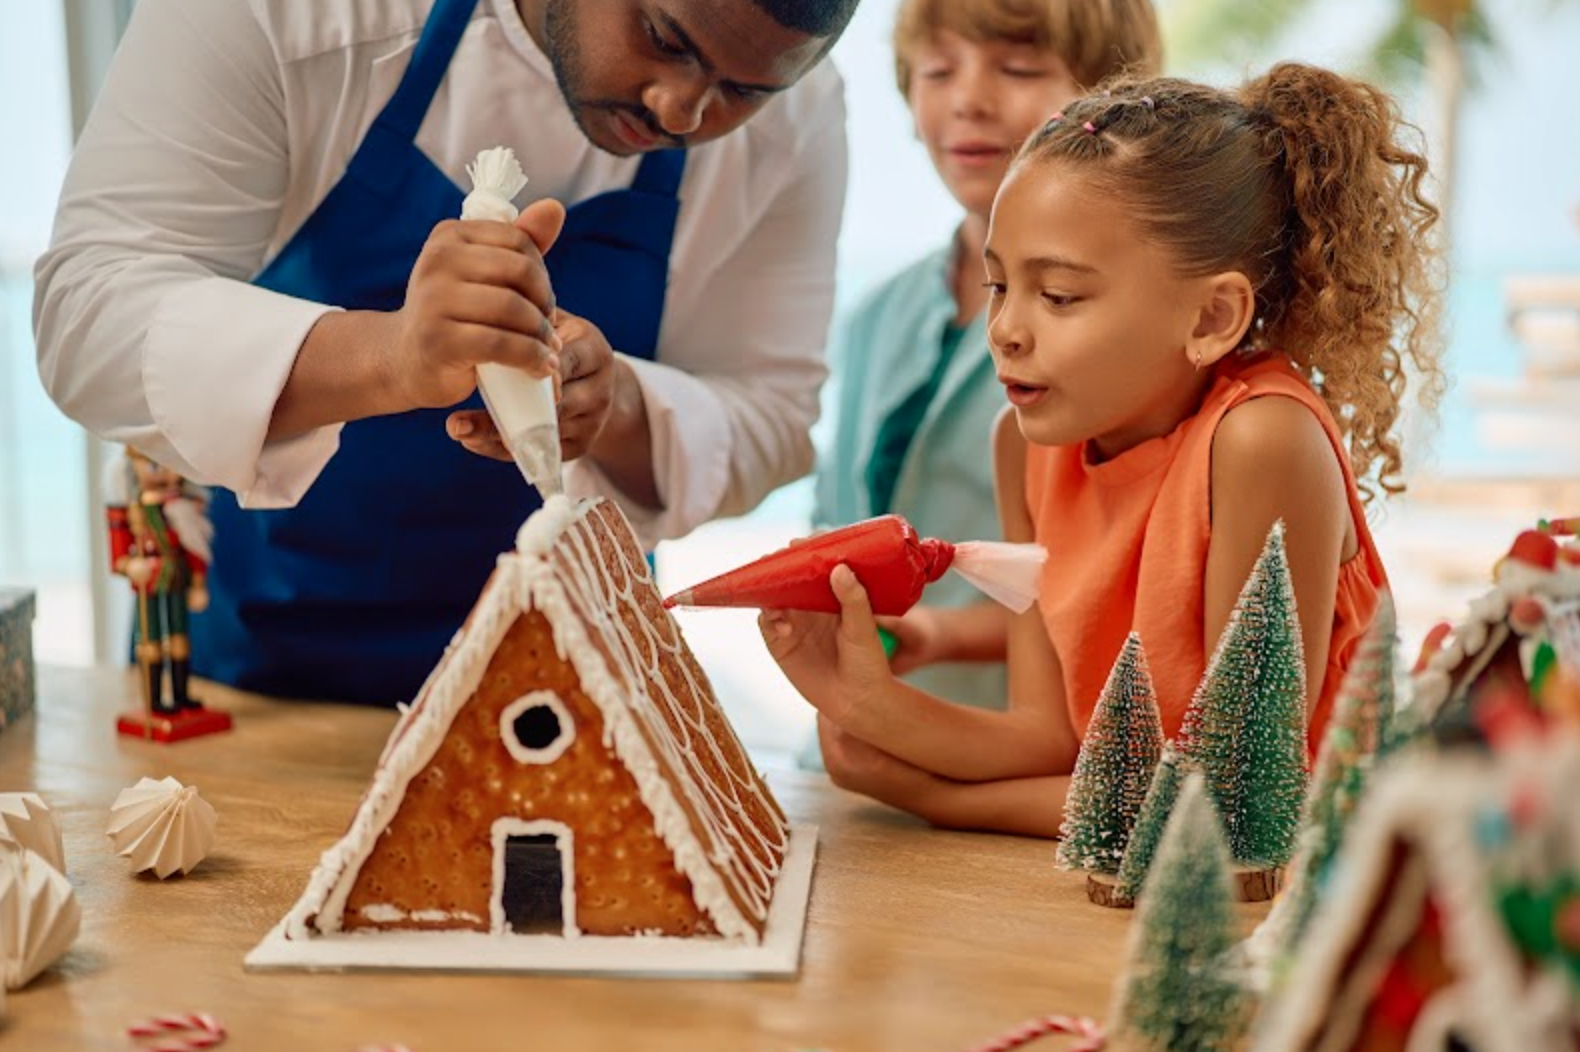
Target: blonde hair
<point>1300,181</point>
<point>1094,38</point>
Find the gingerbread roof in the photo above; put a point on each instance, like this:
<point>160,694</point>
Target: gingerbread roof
<point>579,567</point>
<point>1413,915</point>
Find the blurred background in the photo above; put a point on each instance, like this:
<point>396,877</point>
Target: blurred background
<point>1493,83</point>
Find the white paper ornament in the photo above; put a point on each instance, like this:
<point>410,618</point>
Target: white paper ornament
<point>27,821</point>
<point>163,826</point>
<point>39,915</point>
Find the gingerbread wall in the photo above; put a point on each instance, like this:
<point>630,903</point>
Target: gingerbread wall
<point>437,853</point>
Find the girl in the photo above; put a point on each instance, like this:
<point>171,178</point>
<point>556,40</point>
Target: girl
<point>917,391</point>
<point>1201,304</point>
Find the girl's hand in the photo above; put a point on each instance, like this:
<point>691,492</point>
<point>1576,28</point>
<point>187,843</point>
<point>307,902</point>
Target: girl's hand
<point>864,768</point>
<point>834,661</point>
<point>919,634</point>
<point>479,292</point>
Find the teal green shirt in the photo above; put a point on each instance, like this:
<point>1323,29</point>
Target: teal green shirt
<point>899,428</point>
<point>897,377</point>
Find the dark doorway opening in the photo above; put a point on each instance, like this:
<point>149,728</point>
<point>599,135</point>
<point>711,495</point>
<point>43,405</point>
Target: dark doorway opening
<point>534,883</point>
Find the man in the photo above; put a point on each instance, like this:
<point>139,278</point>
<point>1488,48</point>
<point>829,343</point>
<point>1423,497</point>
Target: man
<point>249,163</point>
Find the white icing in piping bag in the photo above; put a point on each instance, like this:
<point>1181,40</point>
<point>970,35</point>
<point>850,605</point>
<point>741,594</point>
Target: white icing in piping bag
<point>521,404</point>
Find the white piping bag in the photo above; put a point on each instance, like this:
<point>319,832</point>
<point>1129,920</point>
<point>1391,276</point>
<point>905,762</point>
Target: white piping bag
<point>521,404</point>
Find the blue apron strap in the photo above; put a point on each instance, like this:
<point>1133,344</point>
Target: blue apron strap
<point>440,36</point>
<point>376,164</point>
<point>660,172</point>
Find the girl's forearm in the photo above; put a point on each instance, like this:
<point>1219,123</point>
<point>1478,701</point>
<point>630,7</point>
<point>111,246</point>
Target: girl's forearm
<point>1023,806</point>
<point>955,741</point>
<point>976,633</point>
<point>1027,806</point>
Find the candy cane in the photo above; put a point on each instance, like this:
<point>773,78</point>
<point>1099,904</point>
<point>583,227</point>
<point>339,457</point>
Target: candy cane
<point>1088,1030</point>
<point>185,1033</point>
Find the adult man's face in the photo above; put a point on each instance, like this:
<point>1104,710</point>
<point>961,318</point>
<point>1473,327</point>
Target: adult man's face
<point>643,75</point>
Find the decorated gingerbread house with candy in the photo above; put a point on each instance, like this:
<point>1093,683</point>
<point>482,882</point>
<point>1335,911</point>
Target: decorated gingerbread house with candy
<point>1451,918</point>
<point>1474,675</point>
<point>565,793</point>
<point>1453,921</point>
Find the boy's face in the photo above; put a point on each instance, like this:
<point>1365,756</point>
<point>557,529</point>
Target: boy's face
<point>975,103</point>
<point>641,75</point>
<point>1087,321</point>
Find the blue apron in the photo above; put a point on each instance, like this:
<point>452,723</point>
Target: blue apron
<point>353,594</point>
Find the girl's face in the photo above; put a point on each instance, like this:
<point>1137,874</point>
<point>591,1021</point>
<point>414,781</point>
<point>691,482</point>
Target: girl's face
<point>975,103</point>
<point>1087,322</point>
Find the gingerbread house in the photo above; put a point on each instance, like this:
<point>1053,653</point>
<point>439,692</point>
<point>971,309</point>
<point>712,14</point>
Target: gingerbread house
<point>1453,920</point>
<point>1495,652</point>
<point>564,793</point>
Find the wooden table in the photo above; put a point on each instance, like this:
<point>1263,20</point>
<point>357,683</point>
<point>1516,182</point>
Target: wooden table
<point>917,939</point>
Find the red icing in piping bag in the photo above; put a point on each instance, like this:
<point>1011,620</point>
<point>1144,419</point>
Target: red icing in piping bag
<point>892,563</point>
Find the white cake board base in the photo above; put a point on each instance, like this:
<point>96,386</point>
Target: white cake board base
<point>643,956</point>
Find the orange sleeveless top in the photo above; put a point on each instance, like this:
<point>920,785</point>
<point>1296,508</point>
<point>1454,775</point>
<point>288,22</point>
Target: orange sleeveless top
<point>1127,550</point>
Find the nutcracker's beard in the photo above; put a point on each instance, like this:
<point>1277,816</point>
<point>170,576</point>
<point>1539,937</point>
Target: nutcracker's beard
<point>192,527</point>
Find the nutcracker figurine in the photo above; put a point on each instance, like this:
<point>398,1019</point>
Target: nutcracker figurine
<point>159,541</point>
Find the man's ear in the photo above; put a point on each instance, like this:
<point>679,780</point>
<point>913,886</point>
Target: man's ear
<point>1226,307</point>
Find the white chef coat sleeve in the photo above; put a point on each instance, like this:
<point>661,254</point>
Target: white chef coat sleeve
<point>731,408</point>
<point>148,330</point>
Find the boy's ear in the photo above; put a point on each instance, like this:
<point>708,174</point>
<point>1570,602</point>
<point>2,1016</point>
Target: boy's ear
<point>1225,310</point>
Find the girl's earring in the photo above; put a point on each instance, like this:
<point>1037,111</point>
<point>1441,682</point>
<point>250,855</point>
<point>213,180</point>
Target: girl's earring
<point>1196,357</point>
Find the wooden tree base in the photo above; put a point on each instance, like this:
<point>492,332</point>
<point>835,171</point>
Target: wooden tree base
<point>1257,885</point>
<point>1250,885</point>
<point>1103,889</point>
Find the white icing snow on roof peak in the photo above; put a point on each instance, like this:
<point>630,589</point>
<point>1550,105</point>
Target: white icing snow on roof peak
<point>543,527</point>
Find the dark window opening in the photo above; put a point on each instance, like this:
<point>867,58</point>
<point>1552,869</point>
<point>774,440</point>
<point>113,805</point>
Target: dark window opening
<point>537,728</point>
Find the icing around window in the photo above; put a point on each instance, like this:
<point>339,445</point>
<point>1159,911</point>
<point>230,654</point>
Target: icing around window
<point>537,728</point>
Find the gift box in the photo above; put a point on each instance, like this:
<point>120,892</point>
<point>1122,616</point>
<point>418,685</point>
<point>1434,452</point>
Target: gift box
<point>16,655</point>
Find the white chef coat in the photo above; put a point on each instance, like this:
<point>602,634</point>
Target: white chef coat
<point>223,123</point>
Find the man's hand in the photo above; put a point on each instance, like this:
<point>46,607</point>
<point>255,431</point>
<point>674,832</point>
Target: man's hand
<point>587,371</point>
<point>585,390</point>
<point>479,293</point>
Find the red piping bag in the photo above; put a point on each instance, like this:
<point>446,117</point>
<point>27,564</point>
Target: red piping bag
<point>887,556</point>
